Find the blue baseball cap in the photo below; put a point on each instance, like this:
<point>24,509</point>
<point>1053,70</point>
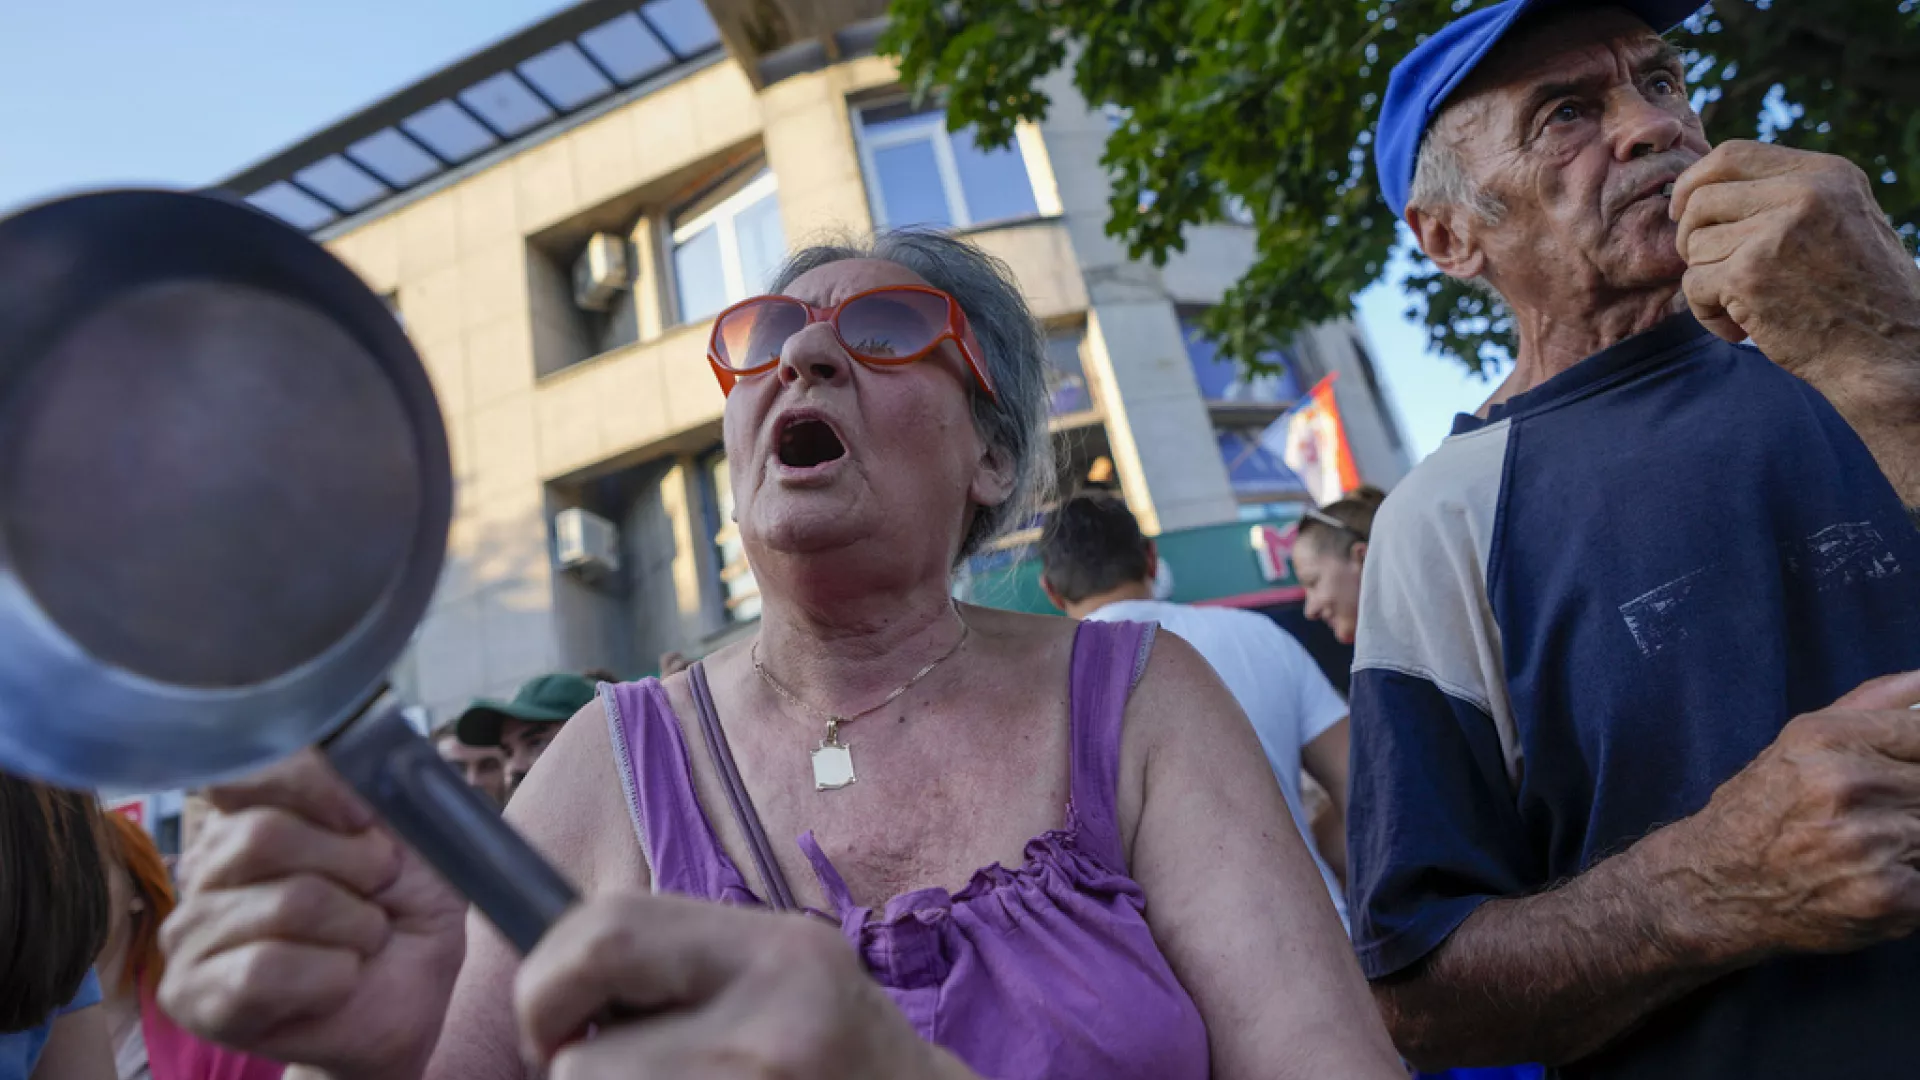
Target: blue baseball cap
<point>1422,82</point>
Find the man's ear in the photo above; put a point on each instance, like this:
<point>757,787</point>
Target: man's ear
<point>1053,594</point>
<point>1153,561</point>
<point>1358,553</point>
<point>1447,237</point>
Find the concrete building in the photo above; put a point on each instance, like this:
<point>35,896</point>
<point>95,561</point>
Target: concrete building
<point>555,218</point>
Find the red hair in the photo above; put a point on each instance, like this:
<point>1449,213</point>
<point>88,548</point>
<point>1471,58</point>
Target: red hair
<point>148,874</point>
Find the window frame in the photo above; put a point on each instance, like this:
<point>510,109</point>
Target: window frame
<point>1189,317</point>
<point>719,529</point>
<point>931,125</point>
<point>1094,410</point>
<point>721,217</point>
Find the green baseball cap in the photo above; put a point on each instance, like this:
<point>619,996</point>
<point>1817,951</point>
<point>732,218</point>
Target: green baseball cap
<point>543,699</point>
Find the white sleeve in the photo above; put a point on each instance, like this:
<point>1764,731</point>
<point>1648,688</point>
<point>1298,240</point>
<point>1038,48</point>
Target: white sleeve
<point>1318,705</point>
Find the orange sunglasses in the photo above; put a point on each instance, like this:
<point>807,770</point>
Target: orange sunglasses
<point>885,327</point>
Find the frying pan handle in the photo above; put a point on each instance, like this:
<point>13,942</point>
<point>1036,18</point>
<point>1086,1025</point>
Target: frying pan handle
<point>449,824</point>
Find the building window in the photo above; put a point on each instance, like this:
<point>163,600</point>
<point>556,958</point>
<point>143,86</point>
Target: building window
<point>919,173</point>
<point>739,592</point>
<point>1222,382</point>
<point>727,245</point>
<point>1067,390</point>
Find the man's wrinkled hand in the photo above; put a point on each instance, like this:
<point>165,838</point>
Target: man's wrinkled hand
<point>1788,248</point>
<point>1815,846</point>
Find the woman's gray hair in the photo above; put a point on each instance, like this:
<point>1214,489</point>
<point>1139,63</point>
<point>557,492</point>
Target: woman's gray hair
<point>1014,425</point>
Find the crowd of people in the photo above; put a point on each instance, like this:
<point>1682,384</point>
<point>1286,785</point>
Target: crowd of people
<point>1627,773</point>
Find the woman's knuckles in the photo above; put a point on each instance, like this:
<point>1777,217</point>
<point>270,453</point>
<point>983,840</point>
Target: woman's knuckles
<point>240,846</point>
<point>311,908</point>
<point>268,981</point>
<point>807,947</point>
<point>265,843</point>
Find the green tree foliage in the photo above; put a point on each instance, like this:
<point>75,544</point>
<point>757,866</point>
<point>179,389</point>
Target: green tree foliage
<point>1273,102</point>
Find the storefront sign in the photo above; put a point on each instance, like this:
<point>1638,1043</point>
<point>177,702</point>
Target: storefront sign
<point>1272,546</point>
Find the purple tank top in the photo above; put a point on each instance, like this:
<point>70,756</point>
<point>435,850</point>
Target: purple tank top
<point>1043,971</point>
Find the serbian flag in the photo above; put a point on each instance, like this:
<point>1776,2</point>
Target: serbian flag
<point>1313,442</point>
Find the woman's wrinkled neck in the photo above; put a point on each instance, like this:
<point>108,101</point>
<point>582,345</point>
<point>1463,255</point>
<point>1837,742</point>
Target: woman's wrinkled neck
<point>841,635</point>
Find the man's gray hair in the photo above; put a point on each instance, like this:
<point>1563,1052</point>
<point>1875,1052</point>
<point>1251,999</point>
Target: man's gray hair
<point>1015,355</point>
<point>1440,176</point>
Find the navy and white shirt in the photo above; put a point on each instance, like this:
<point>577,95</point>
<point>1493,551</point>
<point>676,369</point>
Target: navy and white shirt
<point>1582,615</point>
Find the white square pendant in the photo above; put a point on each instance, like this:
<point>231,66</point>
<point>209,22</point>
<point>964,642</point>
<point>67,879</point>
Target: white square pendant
<point>832,766</point>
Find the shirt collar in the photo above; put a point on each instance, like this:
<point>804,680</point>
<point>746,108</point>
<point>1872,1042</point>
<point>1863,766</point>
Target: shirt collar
<point>1674,336</point>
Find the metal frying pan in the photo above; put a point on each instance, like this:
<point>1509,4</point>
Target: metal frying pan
<point>224,501</point>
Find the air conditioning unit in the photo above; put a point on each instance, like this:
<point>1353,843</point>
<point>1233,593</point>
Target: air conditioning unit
<point>586,544</point>
<point>601,272</point>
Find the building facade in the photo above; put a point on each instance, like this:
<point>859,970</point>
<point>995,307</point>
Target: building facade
<point>556,219</point>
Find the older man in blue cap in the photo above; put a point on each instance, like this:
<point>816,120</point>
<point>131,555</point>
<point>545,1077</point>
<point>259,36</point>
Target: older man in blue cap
<point>1636,787</point>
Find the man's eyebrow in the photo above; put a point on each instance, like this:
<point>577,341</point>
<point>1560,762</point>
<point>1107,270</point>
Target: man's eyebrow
<point>1664,58</point>
<point>1558,88</point>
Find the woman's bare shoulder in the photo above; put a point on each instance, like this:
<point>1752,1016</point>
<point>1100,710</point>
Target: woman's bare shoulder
<point>1179,708</point>
<point>1019,629</point>
<point>573,807</point>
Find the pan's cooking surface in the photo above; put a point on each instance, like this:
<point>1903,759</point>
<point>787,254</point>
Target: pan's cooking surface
<point>208,484</point>
<point>223,511</point>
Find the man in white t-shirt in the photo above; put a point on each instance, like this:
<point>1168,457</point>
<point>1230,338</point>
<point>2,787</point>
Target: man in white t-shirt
<point>1097,565</point>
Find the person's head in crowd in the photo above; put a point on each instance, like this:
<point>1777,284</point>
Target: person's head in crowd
<point>965,463</point>
<point>1329,550</point>
<point>1093,553</point>
<point>522,728</point>
<point>54,898</point>
<point>141,893</point>
<point>146,1042</point>
<point>1543,175</point>
<point>484,767</point>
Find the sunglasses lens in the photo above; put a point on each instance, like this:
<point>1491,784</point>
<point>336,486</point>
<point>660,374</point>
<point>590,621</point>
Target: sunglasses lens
<point>892,325</point>
<point>752,336</point>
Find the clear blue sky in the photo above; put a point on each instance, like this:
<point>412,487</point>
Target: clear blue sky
<point>114,91</point>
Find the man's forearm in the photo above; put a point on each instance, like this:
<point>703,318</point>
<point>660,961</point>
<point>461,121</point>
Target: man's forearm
<point>1870,372</point>
<point>1555,976</point>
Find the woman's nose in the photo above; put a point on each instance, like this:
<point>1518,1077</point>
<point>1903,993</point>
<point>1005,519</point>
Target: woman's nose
<point>813,355</point>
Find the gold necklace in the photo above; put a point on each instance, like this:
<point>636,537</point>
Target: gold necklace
<point>832,759</point>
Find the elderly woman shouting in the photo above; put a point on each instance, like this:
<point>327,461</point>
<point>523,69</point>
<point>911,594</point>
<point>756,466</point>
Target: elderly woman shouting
<point>1047,849</point>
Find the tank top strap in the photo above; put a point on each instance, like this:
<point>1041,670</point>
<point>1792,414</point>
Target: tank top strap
<point>851,916</point>
<point>1108,660</point>
<point>682,854</point>
<point>778,895</point>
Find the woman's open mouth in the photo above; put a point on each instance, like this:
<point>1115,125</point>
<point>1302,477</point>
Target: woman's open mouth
<point>806,443</point>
